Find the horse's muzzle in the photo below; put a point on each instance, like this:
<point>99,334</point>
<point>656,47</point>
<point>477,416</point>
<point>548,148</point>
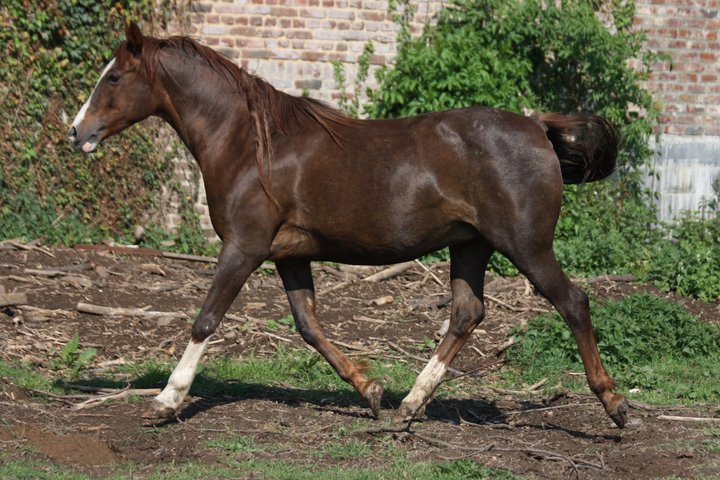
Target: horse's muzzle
<point>87,145</point>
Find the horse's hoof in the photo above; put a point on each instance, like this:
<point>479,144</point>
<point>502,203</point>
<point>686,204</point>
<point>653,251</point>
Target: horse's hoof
<point>619,411</point>
<point>406,414</point>
<point>373,395</point>
<point>158,412</point>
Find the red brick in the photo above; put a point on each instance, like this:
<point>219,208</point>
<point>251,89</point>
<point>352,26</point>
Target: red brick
<point>312,56</point>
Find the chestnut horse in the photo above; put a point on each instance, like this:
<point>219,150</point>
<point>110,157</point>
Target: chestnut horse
<point>292,180</point>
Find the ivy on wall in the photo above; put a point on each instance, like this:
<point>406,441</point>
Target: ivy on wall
<point>48,190</point>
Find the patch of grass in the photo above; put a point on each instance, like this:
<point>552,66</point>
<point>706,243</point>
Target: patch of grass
<point>646,342</point>
<point>24,376</point>
<point>31,470</point>
<point>72,357</point>
<point>462,469</point>
<point>266,469</point>
<point>346,451</point>
<point>235,444</point>
<point>297,368</point>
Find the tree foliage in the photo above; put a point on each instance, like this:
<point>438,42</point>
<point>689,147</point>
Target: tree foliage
<point>569,56</point>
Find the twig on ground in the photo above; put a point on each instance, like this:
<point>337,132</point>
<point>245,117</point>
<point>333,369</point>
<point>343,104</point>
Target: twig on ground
<point>430,272</point>
<point>125,312</point>
<point>534,452</point>
<point>21,246</point>
<point>94,402</point>
<point>513,308</point>
<point>675,418</point>
<point>389,272</point>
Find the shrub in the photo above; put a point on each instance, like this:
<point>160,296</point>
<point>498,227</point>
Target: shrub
<point>688,261</point>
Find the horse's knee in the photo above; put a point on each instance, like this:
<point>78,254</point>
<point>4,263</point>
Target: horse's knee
<point>204,326</point>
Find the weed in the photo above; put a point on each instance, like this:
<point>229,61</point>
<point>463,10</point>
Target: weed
<point>72,358</point>
<point>347,450</point>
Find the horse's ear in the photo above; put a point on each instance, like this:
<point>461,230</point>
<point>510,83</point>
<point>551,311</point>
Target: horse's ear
<point>134,39</point>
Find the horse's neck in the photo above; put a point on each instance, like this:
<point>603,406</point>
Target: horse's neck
<point>202,107</point>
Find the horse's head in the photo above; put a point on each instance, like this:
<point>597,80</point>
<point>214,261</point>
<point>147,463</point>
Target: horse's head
<point>122,96</point>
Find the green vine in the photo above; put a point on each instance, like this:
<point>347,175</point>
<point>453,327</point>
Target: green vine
<point>55,51</point>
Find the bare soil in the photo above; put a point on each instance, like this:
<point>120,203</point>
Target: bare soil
<point>558,436</point>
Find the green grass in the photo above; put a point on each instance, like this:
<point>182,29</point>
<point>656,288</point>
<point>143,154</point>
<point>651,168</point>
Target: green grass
<point>344,451</point>
<point>265,469</point>
<point>240,444</point>
<point>462,469</point>
<point>23,376</point>
<point>31,470</point>
<point>646,342</point>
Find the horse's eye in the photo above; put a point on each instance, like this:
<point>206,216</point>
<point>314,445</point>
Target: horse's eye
<point>113,78</point>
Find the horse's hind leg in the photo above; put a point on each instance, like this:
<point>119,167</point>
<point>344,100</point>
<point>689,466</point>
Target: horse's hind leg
<point>467,272</point>
<point>546,275</point>
<point>297,279</point>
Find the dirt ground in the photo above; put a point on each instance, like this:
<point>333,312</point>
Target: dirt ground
<point>565,435</point>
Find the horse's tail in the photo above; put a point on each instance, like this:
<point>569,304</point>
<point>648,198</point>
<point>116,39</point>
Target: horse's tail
<point>587,145</point>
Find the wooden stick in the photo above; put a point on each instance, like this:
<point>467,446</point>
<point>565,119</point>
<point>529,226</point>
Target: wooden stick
<point>435,277</point>
<point>21,246</point>
<point>389,272</point>
<point>11,299</point>
<point>116,396</point>
<point>675,418</point>
<point>125,312</point>
<point>192,258</point>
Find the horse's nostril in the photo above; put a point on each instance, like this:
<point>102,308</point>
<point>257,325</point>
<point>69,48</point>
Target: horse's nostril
<point>72,133</point>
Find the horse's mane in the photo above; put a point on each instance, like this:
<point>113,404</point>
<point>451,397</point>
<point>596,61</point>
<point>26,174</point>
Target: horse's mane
<point>271,111</point>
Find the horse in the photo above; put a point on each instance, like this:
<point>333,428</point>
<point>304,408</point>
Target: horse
<point>292,180</point>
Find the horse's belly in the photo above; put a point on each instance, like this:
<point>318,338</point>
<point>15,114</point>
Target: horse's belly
<point>371,247</point>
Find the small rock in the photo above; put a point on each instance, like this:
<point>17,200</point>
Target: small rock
<point>387,299</point>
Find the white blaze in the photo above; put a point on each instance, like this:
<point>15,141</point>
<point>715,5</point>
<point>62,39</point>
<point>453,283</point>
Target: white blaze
<point>90,145</point>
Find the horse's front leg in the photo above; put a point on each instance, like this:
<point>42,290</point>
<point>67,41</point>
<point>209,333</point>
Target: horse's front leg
<point>234,267</point>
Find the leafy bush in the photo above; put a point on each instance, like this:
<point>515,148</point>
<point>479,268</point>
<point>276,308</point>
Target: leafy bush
<point>564,57</point>
<point>644,341</point>
<point>688,262</point>
<point>55,51</point>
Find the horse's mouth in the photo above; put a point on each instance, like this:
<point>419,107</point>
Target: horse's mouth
<point>90,144</point>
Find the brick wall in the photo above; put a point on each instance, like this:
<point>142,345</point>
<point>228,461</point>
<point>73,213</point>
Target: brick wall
<point>292,43</point>
<point>688,89</point>
<point>689,85</point>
